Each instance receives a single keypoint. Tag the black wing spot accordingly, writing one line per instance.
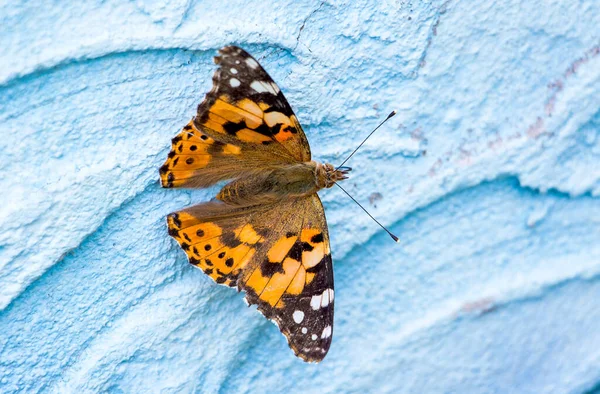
(296, 251)
(317, 238)
(207, 247)
(232, 128)
(268, 268)
(175, 218)
(228, 238)
(229, 262)
(189, 161)
(263, 232)
(264, 130)
(306, 247)
(193, 148)
(200, 233)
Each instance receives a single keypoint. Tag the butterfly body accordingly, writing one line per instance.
(265, 233)
(286, 181)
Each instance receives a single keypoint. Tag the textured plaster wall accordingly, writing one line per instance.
(490, 175)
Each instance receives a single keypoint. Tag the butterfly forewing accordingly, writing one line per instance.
(246, 105)
(278, 254)
(304, 314)
(243, 124)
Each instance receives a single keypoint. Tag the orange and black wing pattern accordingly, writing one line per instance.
(244, 124)
(278, 254)
(246, 104)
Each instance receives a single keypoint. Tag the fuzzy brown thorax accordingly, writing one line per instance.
(281, 182)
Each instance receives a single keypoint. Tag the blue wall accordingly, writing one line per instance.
(490, 175)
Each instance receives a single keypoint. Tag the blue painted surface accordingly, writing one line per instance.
(490, 175)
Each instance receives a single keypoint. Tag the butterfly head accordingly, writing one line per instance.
(327, 175)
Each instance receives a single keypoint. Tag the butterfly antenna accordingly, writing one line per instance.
(365, 140)
(367, 212)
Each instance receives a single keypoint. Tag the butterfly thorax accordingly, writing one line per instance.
(283, 181)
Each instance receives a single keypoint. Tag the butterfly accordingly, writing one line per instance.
(265, 232)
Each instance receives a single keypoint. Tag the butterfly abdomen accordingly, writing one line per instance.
(281, 182)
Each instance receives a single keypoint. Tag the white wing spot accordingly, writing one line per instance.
(251, 63)
(234, 82)
(237, 62)
(298, 316)
(330, 295)
(325, 298)
(315, 302)
(304, 330)
(233, 70)
(326, 332)
(313, 337)
(263, 87)
(275, 87)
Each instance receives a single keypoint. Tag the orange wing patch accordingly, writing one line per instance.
(279, 282)
(221, 254)
(248, 121)
(235, 113)
(191, 151)
(289, 265)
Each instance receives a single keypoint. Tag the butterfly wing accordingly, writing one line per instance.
(244, 124)
(278, 254)
(197, 160)
(246, 104)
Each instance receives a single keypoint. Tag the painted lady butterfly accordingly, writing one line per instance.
(265, 233)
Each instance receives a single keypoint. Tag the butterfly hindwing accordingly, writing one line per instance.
(197, 160)
(278, 254)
